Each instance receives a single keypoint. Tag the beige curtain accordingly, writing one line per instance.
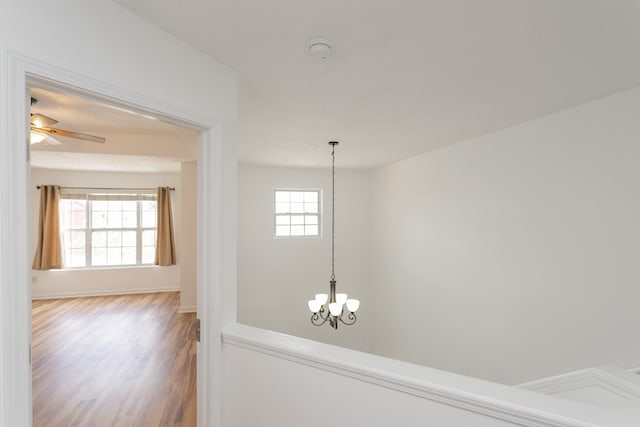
(165, 242)
(49, 251)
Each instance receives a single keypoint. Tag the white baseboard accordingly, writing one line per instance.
(101, 293)
(188, 309)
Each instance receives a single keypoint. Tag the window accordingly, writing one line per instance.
(297, 213)
(101, 230)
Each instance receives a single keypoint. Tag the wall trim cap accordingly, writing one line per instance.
(475, 395)
(620, 382)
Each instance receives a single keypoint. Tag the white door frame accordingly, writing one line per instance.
(18, 73)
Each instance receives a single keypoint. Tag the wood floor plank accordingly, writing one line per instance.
(125, 361)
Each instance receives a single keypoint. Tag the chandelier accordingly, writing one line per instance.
(340, 308)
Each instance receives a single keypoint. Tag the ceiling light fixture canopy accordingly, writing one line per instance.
(335, 311)
(320, 48)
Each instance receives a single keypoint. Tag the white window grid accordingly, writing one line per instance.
(297, 213)
(144, 231)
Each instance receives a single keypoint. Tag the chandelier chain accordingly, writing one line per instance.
(333, 210)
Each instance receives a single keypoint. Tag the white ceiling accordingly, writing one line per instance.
(135, 143)
(102, 162)
(407, 76)
(81, 115)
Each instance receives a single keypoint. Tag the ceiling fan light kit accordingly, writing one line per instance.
(41, 130)
(37, 137)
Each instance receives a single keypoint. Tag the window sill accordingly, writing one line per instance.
(102, 268)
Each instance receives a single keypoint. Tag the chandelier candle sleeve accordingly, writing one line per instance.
(331, 307)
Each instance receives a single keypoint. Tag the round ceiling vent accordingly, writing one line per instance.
(320, 48)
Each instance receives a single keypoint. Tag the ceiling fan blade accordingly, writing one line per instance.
(49, 140)
(70, 134)
(42, 121)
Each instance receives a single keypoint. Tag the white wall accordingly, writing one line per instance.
(116, 53)
(514, 256)
(276, 277)
(107, 281)
(314, 398)
(112, 45)
(179, 144)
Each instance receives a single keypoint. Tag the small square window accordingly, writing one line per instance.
(297, 213)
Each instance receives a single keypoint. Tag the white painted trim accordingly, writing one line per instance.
(15, 271)
(188, 309)
(610, 378)
(5, 365)
(14, 263)
(103, 293)
(478, 396)
(209, 268)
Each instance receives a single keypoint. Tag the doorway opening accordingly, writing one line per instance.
(159, 303)
(215, 165)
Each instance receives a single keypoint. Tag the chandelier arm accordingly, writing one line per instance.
(317, 319)
(351, 319)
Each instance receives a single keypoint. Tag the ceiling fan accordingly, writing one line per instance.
(41, 130)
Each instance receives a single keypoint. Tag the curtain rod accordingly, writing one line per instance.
(109, 188)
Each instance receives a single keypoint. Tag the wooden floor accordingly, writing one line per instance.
(114, 361)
